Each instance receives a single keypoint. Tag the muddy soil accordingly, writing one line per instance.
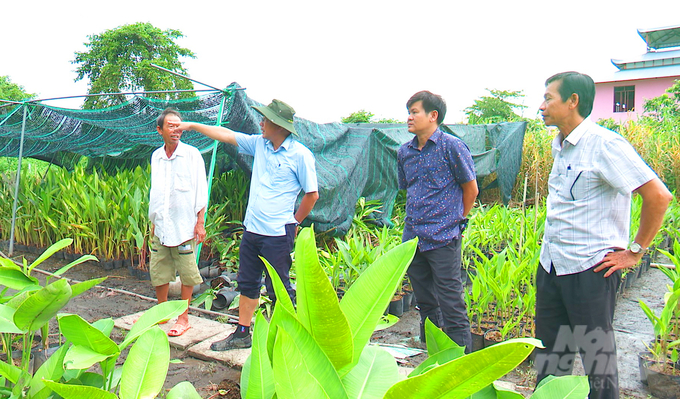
(632, 328)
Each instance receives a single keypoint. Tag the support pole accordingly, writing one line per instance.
(212, 169)
(18, 181)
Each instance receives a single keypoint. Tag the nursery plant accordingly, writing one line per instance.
(321, 349)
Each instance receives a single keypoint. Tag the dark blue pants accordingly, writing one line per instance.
(575, 312)
(436, 279)
(276, 250)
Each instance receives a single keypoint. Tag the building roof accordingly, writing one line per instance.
(661, 38)
(651, 59)
(643, 73)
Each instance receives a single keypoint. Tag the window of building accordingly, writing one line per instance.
(624, 98)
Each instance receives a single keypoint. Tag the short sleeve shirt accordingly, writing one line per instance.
(594, 173)
(278, 177)
(432, 178)
(179, 190)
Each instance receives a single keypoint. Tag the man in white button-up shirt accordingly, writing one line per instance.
(585, 246)
(177, 202)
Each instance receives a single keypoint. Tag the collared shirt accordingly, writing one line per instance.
(589, 197)
(179, 190)
(432, 178)
(278, 176)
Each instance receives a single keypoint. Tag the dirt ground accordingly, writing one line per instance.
(632, 328)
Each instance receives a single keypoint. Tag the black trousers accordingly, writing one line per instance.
(575, 312)
(436, 280)
(276, 250)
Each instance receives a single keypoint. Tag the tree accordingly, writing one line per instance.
(119, 59)
(665, 106)
(495, 108)
(12, 91)
(363, 116)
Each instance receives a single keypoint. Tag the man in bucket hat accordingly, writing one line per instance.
(282, 167)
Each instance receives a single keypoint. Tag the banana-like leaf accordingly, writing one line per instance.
(292, 376)
(315, 363)
(67, 391)
(7, 320)
(257, 378)
(183, 390)
(52, 369)
(79, 288)
(82, 333)
(11, 372)
(466, 375)
(437, 340)
(373, 375)
(76, 262)
(16, 279)
(365, 301)
(317, 303)
(81, 358)
(386, 321)
(283, 303)
(161, 312)
(146, 366)
(57, 246)
(568, 387)
(491, 391)
(41, 306)
(104, 325)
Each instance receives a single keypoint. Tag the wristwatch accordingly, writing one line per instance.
(636, 248)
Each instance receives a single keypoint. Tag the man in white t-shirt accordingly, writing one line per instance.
(177, 202)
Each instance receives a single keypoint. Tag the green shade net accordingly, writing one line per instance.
(352, 160)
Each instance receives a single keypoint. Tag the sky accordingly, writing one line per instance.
(329, 59)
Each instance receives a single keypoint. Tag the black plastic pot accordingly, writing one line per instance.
(661, 385)
(397, 307)
(477, 341)
(408, 299)
(490, 337)
(224, 298)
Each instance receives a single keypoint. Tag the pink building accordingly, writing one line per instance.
(622, 96)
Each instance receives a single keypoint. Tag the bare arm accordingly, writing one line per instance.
(199, 229)
(655, 200)
(214, 132)
(306, 205)
(470, 191)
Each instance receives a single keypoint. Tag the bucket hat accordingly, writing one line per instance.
(280, 113)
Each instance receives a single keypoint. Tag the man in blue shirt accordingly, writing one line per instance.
(281, 168)
(438, 174)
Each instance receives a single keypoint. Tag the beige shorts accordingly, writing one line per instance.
(166, 262)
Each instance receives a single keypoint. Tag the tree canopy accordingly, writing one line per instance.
(119, 59)
(495, 108)
(12, 91)
(363, 116)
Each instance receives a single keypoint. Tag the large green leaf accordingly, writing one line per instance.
(436, 339)
(567, 387)
(146, 365)
(316, 364)
(183, 390)
(7, 320)
(79, 391)
(79, 288)
(76, 262)
(373, 375)
(52, 369)
(161, 312)
(57, 246)
(42, 305)
(283, 303)
(292, 376)
(367, 298)
(81, 358)
(82, 333)
(317, 303)
(16, 279)
(466, 375)
(257, 378)
(440, 348)
(11, 372)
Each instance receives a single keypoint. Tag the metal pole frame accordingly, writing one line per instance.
(18, 181)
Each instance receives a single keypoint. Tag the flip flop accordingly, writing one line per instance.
(178, 329)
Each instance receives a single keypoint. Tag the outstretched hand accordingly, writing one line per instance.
(616, 260)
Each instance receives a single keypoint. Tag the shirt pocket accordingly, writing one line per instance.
(183, 183)
(283, 173)
(581, 184)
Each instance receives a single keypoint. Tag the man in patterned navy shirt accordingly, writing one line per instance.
(438, 174)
